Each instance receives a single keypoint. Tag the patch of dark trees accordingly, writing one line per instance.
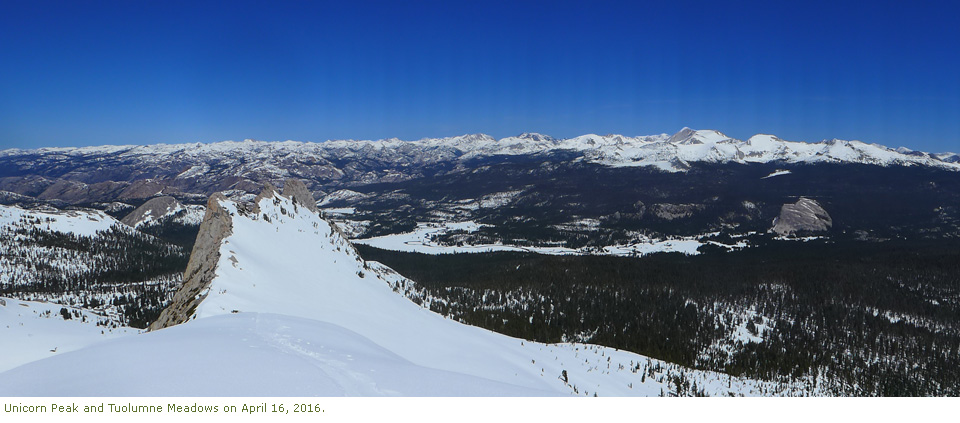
(119, 266)
(172, 231)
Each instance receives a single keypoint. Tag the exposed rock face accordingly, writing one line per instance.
(297, 191)
(805, 215)
(684, 136)
(152, 210)
(217, 225)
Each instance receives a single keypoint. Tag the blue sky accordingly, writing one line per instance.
(141, 72)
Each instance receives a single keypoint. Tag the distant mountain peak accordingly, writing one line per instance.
(476, 137)
(534, 136)
(683, 135)
(689, 136)
(948, 157)
(765, 136)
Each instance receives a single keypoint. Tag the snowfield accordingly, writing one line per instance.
(248, 354)
(777, 173)
(78, 222)
(421, 240)
(294, 311)
(32, 331)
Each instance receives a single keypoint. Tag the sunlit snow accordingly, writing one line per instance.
(32, 330)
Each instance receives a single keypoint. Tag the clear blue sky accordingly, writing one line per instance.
(140, 72)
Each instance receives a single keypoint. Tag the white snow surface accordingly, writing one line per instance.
(341, 210)
(294, 311)
(32, 330)
(193, 215)
(420, 241)
(779, 172)
(248, 354)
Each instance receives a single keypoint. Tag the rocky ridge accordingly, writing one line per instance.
(217, 225)
(297, 191)
(201, 269)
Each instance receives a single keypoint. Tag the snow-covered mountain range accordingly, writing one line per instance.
(668, 152)
(290, 308)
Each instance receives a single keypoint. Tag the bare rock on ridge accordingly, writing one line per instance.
(297, 191)
(201, 269)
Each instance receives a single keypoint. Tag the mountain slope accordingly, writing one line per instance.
(86, 258)
(250, 354)
(111, 173)
(283, 270)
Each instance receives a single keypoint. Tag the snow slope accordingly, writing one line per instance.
(249, 354)
(33, 330)
(294, 310)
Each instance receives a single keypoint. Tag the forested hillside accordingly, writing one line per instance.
(126, 275)
(863, 318)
